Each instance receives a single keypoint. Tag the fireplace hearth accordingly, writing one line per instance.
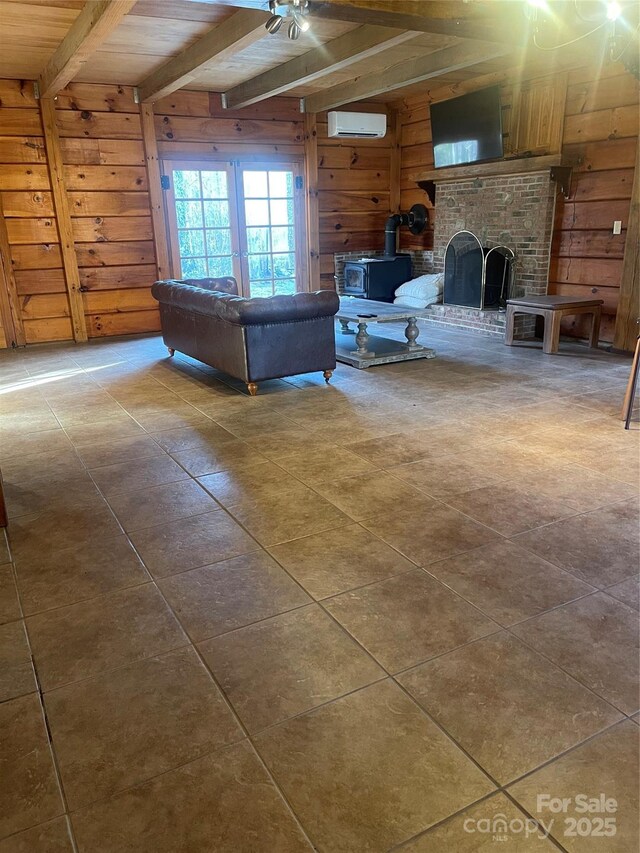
(476, 276)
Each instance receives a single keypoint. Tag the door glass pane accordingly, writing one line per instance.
(258, 240)
(256, 212)
(260, 266)
(204, 226)
(281, 214)
(220, 267)
(189, 214)
(194, 268)
(187, 184)
(284, 266)
(218, 242)
(262, 288)
(255, 185)
(191, 244)
(283, 239)
(216, 214)
(286, 286)
(280, 184)
(214, 184)
(270, 218)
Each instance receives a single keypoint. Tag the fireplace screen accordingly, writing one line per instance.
(476, 276)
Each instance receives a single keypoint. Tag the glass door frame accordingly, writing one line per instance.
(267, 164)
(170, 209)
(234, 168)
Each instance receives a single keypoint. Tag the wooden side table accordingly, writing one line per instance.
(553, 309)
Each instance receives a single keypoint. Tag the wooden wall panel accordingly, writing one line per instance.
(600, 137)
(107, 184)
(354, 198)
(26, 197)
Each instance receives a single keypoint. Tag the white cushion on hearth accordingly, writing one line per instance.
(413, 302)
(423, 287)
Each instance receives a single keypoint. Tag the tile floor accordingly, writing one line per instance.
(364, 617)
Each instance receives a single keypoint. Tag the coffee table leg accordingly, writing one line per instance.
(362, 339)
(411, 333)
(345, 330)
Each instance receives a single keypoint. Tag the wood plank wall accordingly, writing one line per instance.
(107, 183)
(105, 176)
(106, 179)
(600, 135)
(30, 221)
(354, 198)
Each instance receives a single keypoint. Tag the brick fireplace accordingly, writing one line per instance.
(501, 210)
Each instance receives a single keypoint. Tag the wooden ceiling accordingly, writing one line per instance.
(396, 45)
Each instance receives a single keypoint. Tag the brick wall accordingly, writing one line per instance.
(515, 211)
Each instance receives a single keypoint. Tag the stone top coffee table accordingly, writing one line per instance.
(374, 349)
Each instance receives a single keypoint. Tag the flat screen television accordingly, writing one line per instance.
(467, 129)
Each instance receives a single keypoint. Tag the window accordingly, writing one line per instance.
(240, 219)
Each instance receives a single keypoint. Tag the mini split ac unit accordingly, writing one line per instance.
(358, 125)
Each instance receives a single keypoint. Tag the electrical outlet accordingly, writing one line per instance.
(617, 226)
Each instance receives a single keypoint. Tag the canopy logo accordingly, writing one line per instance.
(500, 827)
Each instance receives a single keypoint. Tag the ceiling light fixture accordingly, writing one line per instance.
(273, 24)
(614, 11)
(295, 10)
(303, 23)
(294, 31)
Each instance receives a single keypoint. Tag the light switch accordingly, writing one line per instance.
(617, 226)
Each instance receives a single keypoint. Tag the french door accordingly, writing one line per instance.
(245, 219)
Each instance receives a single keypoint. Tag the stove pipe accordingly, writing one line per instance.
(391, 234)
(416, 219)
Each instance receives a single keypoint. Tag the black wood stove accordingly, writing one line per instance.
(379, 278)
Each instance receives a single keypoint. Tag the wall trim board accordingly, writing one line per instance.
(11, 319)
(395, 130)
(626, 330)
(156, 200)
(63, 218)
(312, 210)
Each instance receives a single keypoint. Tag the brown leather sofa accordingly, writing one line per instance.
(249, 339)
